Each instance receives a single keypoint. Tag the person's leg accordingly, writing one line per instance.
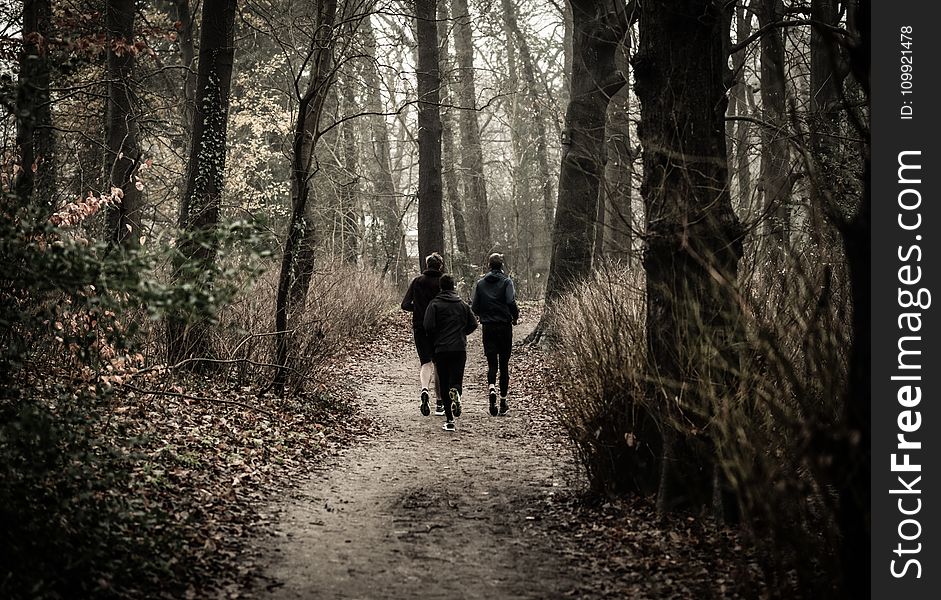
(427, 375)
(457, 375)
(506, 345)
(504, 373)
(442, 362)
(492, 362)
(491, 369)
(456, 380)
(425, 348)
(439, 404)
(490, 351)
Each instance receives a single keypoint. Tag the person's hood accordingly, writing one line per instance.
(448, 296)
(495, 276)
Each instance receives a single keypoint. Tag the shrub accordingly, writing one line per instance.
(64, 342)
(602, 357)
(342, 304)
(773, 436)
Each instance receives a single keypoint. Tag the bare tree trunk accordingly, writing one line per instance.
(739, 107)
(430, 214)
(319, 220)
(472, 159)
(187, 58)
(537, 117)
(568, 49)
(350, 190)
(774, 180)
(853, 465)
(199, 207)
(34, 183)
(383, 184)
(291, 297)
(447, 139)
(594, 80)
(122, 151)
(526, 231)
(693, 238)
(828, 70)
(616, 239)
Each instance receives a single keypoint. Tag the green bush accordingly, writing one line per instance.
(66, 341)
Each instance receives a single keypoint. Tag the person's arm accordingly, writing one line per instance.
(471, 323)
(430, 320)
(475, 301)
(408, 303)
(511, 301)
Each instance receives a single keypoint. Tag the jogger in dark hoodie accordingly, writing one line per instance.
(448, 320)
(494, 301)
(420, 292)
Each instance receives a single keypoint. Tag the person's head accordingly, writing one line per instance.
(496, 262)
(447, 283)
(434, 261)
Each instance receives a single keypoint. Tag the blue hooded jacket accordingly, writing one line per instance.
(494, 299)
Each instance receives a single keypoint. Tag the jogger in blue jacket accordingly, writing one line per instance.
(494, 301)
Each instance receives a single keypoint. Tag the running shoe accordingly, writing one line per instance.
(425, 410)
(455, 402)
(439, 408)
(503, 407)
(493, 402)
(449, 426)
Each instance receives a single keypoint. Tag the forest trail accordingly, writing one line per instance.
(417, 512)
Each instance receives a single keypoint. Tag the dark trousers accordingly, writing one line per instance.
(450, 369)
(498, 341)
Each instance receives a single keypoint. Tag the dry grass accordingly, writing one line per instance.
(342, 304)
(772, 434)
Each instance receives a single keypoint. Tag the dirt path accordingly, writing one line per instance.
(416, 512)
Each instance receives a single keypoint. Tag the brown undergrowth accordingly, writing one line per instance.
(624, 547)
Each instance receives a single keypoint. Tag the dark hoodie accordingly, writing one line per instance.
(448, 320)
(420, 292)
(494, 299)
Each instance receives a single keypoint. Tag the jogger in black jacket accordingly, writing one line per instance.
(420, 292)
(494, 301)
(448, 321)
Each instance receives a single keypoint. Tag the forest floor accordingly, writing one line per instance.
(493, 510)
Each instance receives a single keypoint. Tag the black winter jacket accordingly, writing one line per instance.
(494, 299)
(420, 292)
(448, 320)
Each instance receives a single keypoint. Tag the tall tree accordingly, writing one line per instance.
(693, 238)
(739, 106)
(430, 211)
(854, 466)
(615, 229)
(774, 179)
(122, 150)
(200, 204)
(449, 152)
(296, 262)
(187, 59)
(350, 207)
(599, 26)
(472, 158)
(388, 211)
(537, 115)
(34, 182)
(828, 71)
